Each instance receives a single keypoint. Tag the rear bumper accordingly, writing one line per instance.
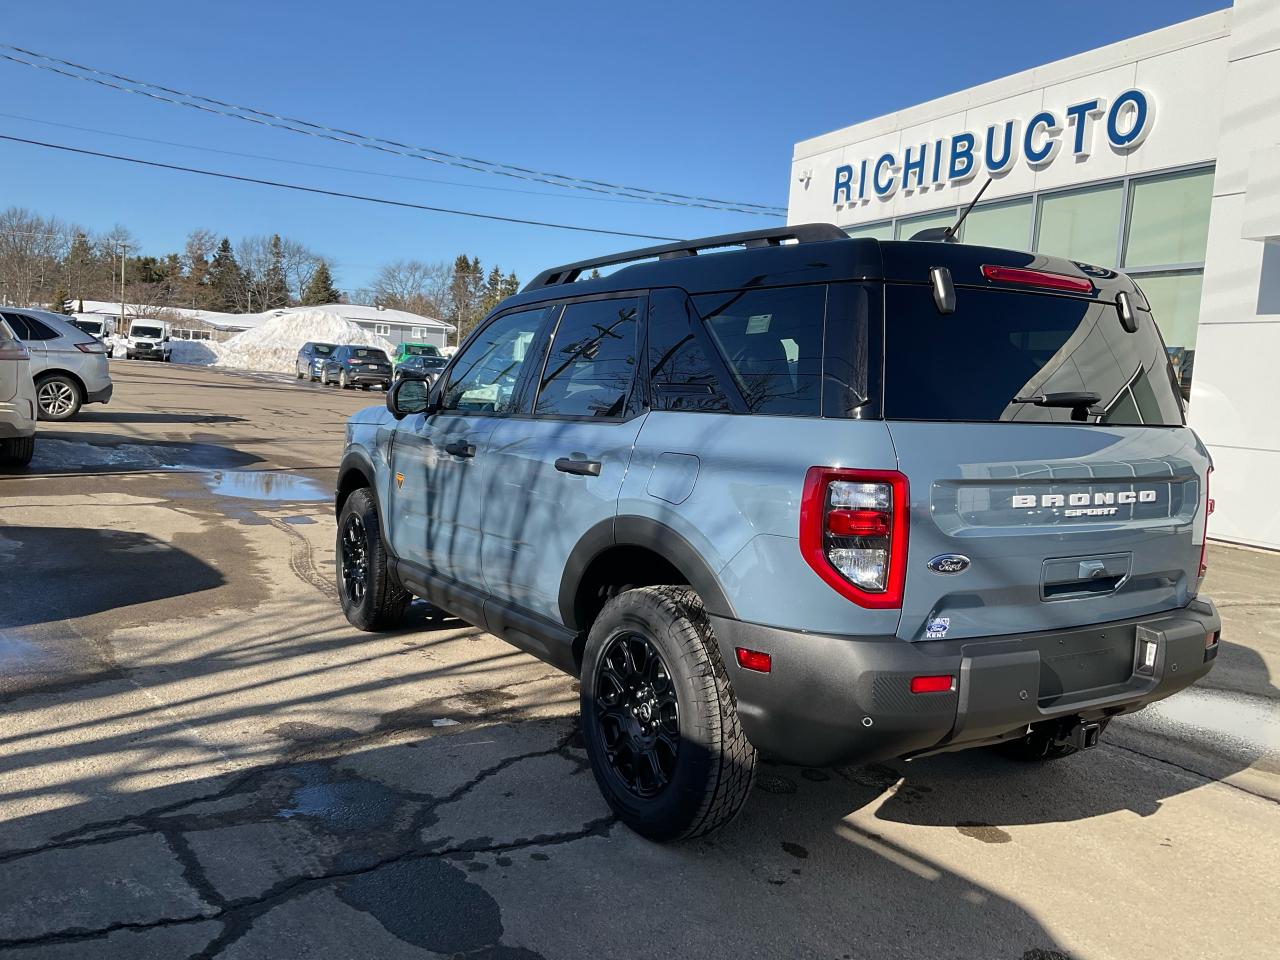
(368, 377)
(102, 395)
(831, 699)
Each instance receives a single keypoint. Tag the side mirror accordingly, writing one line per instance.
(409, 395)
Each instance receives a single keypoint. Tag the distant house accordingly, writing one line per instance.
(398, 326)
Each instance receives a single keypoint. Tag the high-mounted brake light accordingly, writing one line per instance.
(1036, 278)
(853, 532)
(1208, 511)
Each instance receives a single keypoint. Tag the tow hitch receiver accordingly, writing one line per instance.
(1082, 736)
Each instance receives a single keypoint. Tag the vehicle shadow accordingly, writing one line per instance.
(90, 415)
(78, 452)
(61, 573)
(472, 839)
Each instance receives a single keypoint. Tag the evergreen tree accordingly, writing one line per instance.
(79, 265)
(60, 302)
(511, 285)
(493, 290)
(275, 289)
(320, 288)
(225, 279)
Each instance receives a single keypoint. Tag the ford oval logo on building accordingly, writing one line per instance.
(949, 563)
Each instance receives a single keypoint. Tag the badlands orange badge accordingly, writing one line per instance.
(399, 480)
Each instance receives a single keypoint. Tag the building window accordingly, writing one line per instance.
(419, 333)
(1006, 224)
(1169, 219)
(382, 329)
(908, 227)
(876, 231)
(1081, 224)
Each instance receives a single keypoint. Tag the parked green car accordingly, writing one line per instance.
(414, 350)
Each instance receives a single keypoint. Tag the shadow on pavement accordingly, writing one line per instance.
(90, 415)
(76, 452)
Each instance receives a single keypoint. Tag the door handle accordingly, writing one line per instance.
(585, 468)
(460, 448)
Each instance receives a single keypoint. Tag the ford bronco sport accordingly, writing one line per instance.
(831, 499)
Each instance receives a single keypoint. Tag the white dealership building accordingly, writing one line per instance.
(1160, 154)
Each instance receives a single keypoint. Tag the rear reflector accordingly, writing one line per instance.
(942, 684)
(754, 660)
(1036, 278)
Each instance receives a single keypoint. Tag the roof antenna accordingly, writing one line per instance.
(950, 233)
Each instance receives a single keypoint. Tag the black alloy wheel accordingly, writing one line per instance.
(355, 560)
(638, 714)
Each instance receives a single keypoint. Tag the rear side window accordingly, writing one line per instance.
(592, 362)
(1000, 347)
(684, 374)
(28, 328)
(772, 342)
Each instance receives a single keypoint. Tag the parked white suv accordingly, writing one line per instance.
(69, 366)
(17, 401)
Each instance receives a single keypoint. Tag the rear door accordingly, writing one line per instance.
(556, 471)
(1027, 517)
(11, 367)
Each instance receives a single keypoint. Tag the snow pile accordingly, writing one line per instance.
(274, 345)
(203, 352)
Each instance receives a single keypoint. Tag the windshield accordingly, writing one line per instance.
(141, 330)
(420, 350)
(1022, 357)
(89, 326)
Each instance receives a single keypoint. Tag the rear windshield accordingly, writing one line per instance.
(420, 350)
(322, 349)
(367, 353)
(1002, 349)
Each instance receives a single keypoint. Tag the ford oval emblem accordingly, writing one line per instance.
(949, 563)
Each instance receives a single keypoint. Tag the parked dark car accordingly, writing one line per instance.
(311, 360)
(421, 366)
(354, 366)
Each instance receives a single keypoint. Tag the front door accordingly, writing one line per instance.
(440, 465)
(557, 472)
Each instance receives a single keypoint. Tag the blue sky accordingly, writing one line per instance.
(700, 98)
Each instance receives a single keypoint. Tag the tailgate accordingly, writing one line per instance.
(1060, 525)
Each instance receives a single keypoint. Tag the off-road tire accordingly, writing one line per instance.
(715, 764)
(17, 451)
(62, 394)
(383, 602)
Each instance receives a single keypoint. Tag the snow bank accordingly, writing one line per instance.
(274, 345)
(203, 352)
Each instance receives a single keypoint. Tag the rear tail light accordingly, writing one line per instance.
(853, 532)
(95, 346)
(1036, 278)
(353, 360)
(937, 684)
(1208, 511)
(13, 350)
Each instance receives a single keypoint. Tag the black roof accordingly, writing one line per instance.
(817, 253)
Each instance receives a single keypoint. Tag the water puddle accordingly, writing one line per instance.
(1200, 713)
(298, 521)
(341, 806)
(265, 485)
(18, 654)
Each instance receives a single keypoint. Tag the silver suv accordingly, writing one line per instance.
(831, 499)
(17, 401)
(69, 366)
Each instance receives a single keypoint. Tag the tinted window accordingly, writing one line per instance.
(420, 350)
(683, 375)
(29, 328)
(1000, 346)
(486, 374)
(321, 349)
(772, 342)
(365, 353)
(589, 370)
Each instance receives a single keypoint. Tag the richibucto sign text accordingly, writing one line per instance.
(1126, 121)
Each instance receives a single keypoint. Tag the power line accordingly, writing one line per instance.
(264, 118)
(332, 193)
(322, 166)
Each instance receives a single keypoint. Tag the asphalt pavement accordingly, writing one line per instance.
(199, 757)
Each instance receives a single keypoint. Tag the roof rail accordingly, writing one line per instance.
(801, 233)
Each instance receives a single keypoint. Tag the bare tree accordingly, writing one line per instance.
(413, 285)
(32, 251)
